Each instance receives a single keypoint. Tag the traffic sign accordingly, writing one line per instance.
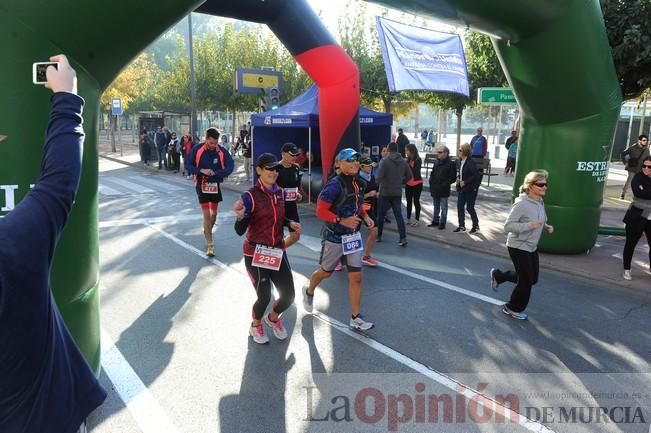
(116, 106)
(255, 80)
(495, 96)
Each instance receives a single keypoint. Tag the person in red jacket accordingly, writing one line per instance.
(210, 163)
(261, 214)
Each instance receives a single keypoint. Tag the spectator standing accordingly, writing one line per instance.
(175, 152)
(145, 143)
(414, 187)
(510, 159)
(467, 188)
(638, 216)
(46, 385)
(402, 141)
(186, 147)
(479, 144)
(444, 174)
(430, 138)
(160, 140)
(524, 225)
(392, 173)
(633, 157)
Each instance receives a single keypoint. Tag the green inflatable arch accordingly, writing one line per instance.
(555, 54)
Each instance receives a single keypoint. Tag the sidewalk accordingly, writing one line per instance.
(602, 264)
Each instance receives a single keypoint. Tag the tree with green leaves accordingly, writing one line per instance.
(627, 25)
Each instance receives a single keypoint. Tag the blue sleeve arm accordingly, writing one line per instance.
(36, 223)
(229, 165)
(190, 165)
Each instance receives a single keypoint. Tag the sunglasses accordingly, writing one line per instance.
(353, 158)
(275, 168)
(646, 166)
(541, 184)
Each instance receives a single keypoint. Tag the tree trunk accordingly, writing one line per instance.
(642, 116)
(459, 113)
(387, 105)
(417, 123)
(233, 125)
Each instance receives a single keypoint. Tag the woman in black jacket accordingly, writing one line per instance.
(414, 187)
(467, 186)
(638, 216)
(444, 174)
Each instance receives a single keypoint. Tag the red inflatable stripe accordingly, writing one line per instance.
(337, 78)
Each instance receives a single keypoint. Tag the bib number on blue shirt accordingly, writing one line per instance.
(352, 243)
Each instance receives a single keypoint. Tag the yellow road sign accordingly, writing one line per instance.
(260, 81)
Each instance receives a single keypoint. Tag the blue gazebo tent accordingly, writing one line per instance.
(298, 121)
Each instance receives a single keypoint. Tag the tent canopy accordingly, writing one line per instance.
(303, 112)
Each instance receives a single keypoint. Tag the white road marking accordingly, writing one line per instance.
(222, 217)
(425, 370)
(131, 186)
(158, 185)
(434, 375)
(107, 190)
(141, 403)
(443, 284)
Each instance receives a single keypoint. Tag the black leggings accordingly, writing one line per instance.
(525, 276)
(633, 235)
(262, 279)
(413, 194)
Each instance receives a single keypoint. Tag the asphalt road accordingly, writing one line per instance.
(177, 357)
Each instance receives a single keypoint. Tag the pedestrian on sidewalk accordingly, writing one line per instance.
(160, 140)
(638, 215)
(145, 144)
(468, 183)
(633, 157)
(392, 173)
(509, 169)
(524, 225)
(479, 144)
(370, 206)
(340, 206)
(210, 163)
(46, 386)
(186, 147)
(443, 175)
(174, 150)
(414, 187)
(261, 214)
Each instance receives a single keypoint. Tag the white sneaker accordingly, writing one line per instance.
(277, 327)
(257, 332)
(361, 324)
(627, 275)
(308, 300)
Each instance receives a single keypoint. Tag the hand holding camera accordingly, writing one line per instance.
(57, 74)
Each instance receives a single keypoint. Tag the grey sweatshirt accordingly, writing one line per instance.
(392, 174)
(518, 224)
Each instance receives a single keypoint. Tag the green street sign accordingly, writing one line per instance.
(495, 96)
